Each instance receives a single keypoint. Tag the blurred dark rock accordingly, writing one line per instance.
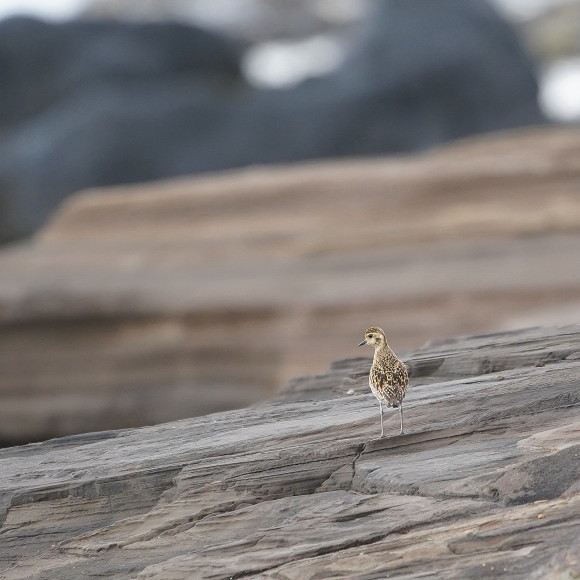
(99, 103)
(43, 63)
(439, 71)
(120, 311)
(303, 490)
(95, 103)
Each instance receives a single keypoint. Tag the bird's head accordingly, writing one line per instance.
(374, 336)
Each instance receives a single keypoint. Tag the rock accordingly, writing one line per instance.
(539, 479)
(119, 313)
(49, 62)
(123, 114)
(83, 101)
(302, 489)
(442, 70)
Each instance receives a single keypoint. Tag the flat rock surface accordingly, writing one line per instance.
(484, 483)
(123, 310)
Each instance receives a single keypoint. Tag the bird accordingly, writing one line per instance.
(388, 376)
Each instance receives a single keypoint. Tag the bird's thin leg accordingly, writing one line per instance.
(381, 410)
(401, 413)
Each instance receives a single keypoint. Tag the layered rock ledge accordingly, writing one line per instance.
(117, 313)
(485, 483)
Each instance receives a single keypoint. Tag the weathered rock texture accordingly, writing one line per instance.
(484, 484)
(150, 303)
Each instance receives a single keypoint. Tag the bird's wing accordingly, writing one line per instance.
(401, 378)
(390, 383)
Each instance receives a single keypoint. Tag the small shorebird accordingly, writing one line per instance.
(388, 377)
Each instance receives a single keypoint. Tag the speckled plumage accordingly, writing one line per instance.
(388, 377)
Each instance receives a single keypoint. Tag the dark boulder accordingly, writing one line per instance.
(45, 63)
(91, 103)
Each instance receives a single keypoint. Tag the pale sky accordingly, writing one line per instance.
(53, 9)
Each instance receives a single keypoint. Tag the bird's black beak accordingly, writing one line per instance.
(363, 342)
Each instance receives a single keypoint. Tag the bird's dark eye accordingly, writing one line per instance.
(370, 336)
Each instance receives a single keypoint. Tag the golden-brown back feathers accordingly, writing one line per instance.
(388, 377)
